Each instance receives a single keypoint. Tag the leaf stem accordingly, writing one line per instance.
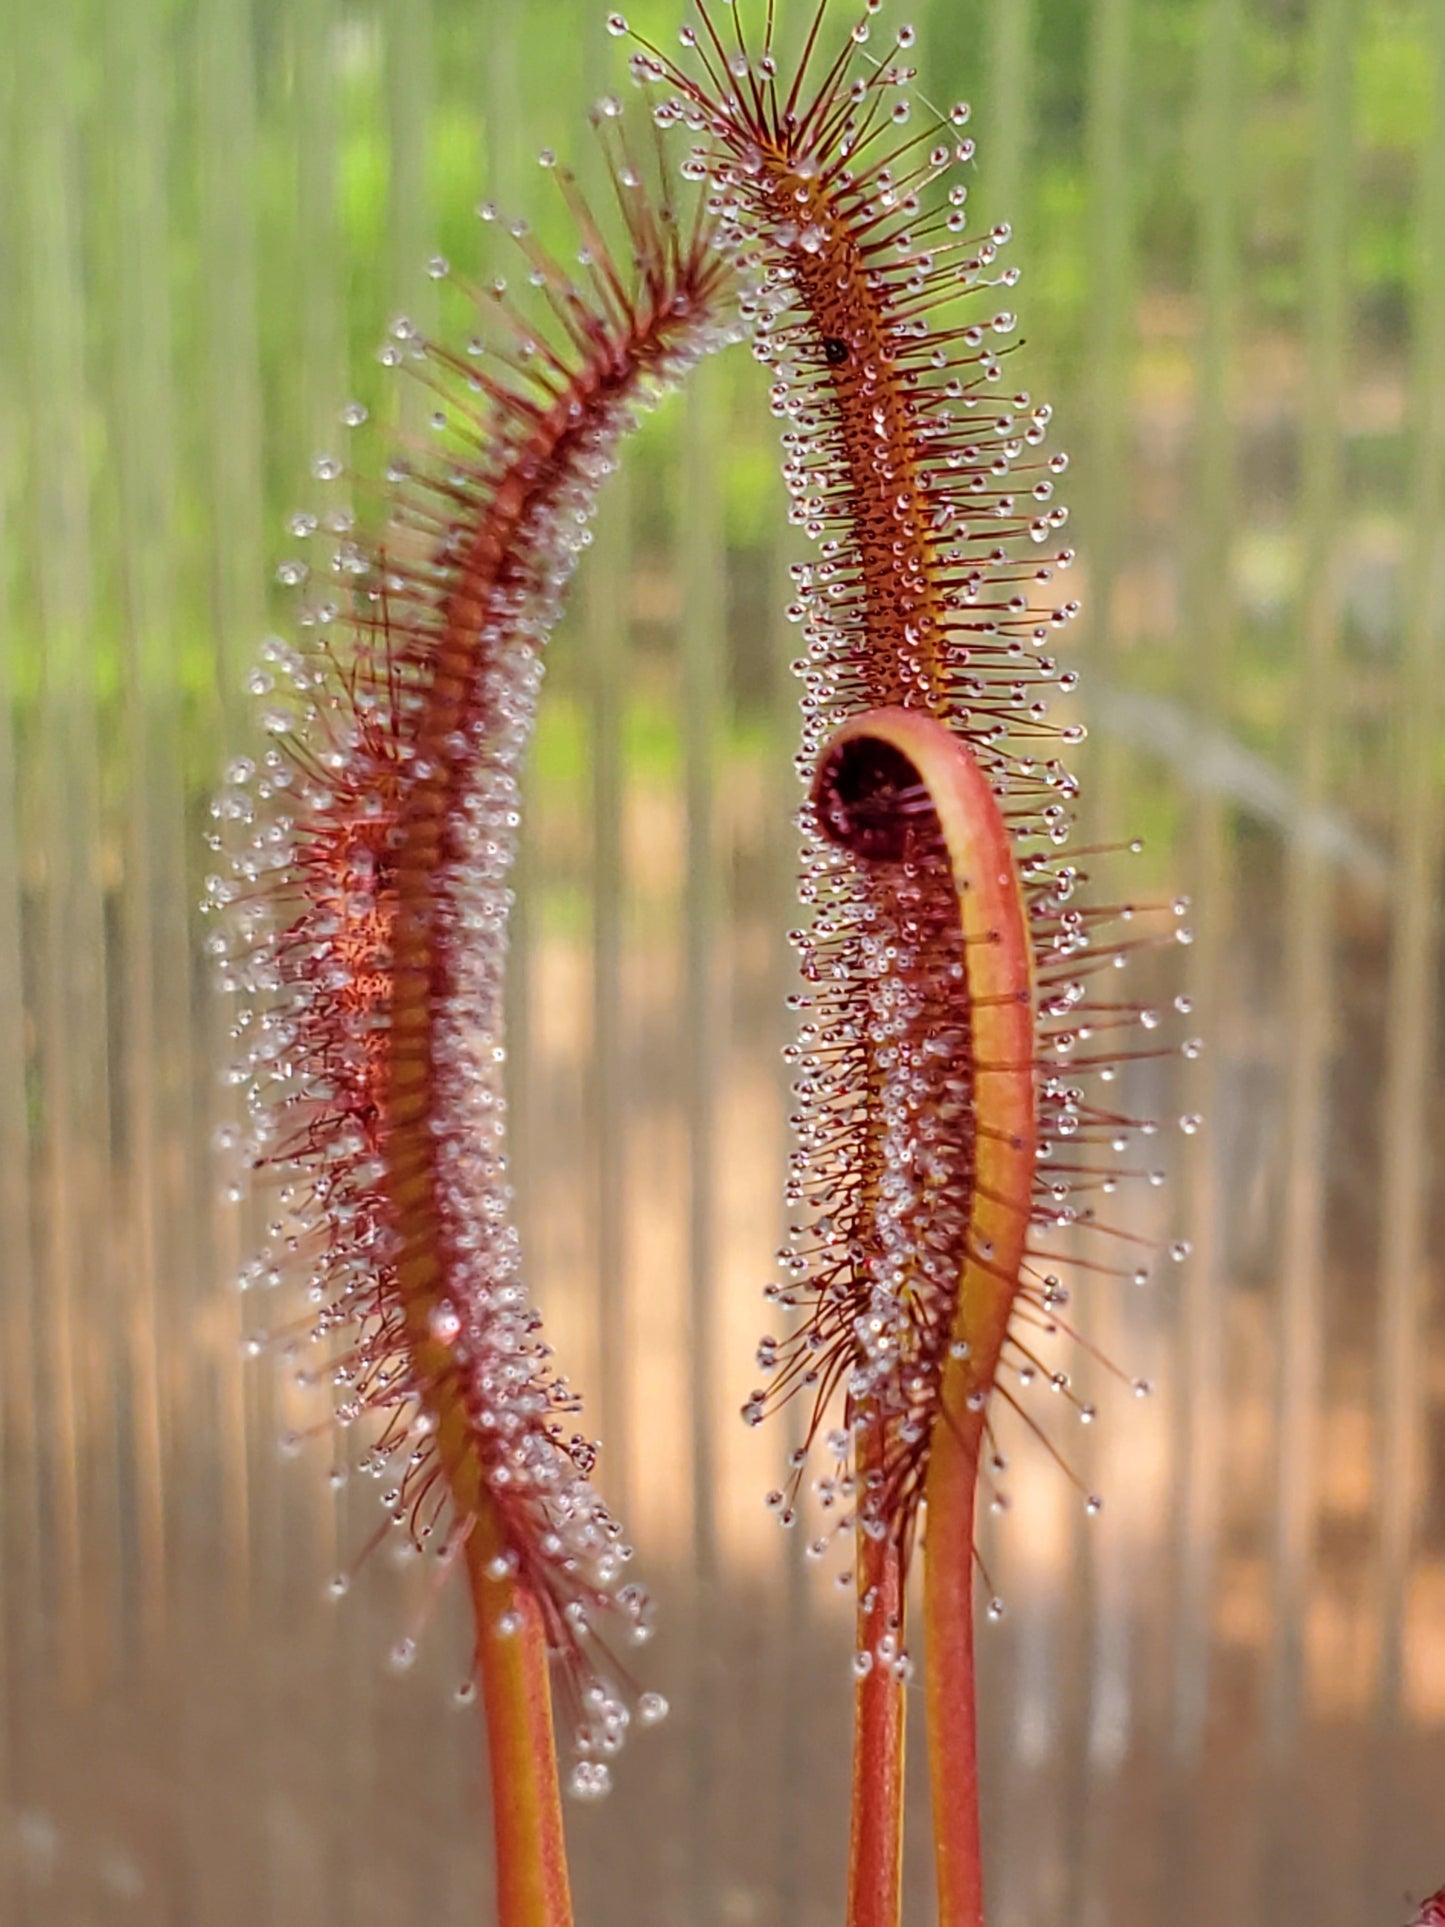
(950, 1685)
(531, 1855)
(875, 1860)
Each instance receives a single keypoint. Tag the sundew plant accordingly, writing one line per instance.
(960, 1017)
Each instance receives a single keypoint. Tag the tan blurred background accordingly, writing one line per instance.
(1224, 1701)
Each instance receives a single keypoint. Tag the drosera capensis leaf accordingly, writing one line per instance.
(365, 930)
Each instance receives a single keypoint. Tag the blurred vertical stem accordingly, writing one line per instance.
(1211, 648)
(1106, 508)
(22, 1622)
(1109, 241)
(226, 125)
(704, 593)
(1415, 905)
(606, 606)
(607, 637)
(607, 628)
(76, 1117)
(223, 1401)
(1415, 936)
(1006, 138)
(1308, 969)
(410, 78)
(158, 1080)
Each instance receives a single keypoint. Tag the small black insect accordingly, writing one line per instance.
(835, 352)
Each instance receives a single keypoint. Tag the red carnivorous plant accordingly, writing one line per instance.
(956, 1041)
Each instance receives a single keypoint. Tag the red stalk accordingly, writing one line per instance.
(875, 1861)
(994, 927)
(950, 1681)
(531, 1852)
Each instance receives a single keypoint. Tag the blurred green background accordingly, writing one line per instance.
(1225, 1701)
